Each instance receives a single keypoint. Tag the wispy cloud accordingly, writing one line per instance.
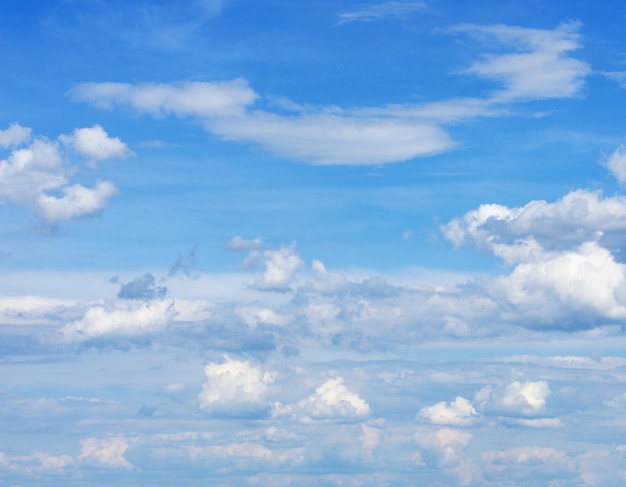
(383, 10)
(539, 67)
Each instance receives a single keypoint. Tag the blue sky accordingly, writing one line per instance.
(312, 243)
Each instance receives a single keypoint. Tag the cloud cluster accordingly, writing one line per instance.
(280, 265)
(459, 412)
(331, 401)
(539, 67)
(563, 268)
(36, 174)
(122, 320)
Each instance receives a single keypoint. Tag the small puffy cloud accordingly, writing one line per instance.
(34, 310)
(517, 399)
(383, 10)
(587, 281)
(95, 143)
(37, 176)
(337, 139)
(564, 273)
(77, 201)
(14, 135)
(125, 320)
(526, 397)
(332, 400)
(234, 387)
(104, 452)
(616, 163)
(515, 234)
(200, 99)
(541, 67)
(280, 268)
(459, 412)
(370, 438)
(143, 287)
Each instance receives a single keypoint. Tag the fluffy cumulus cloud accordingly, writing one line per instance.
(522, 403)
(104, 452)
(36, 175)
(14, 135)
(564, 272)
(459, 412)
(95, 143)
(280, 268)
(235, 387)
(121, 320)
(279, 265)
(331, 401)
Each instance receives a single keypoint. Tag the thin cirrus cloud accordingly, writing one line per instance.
(383, 10)
(539, 66)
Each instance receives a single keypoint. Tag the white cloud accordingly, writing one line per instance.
(95, 143)
(587, 282)
(14, 135)
(331, 400)
(517, 398)
(280, 268)
(459, 412)
(325, 282)
(200, 99)
(33, 176)
(511, 233)
(104, 452)
(234, 387)
(125, 319)
(77, 200)
(616, 163)
(382, 10)
(540, 69)
(563, 274)
(34, 310)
